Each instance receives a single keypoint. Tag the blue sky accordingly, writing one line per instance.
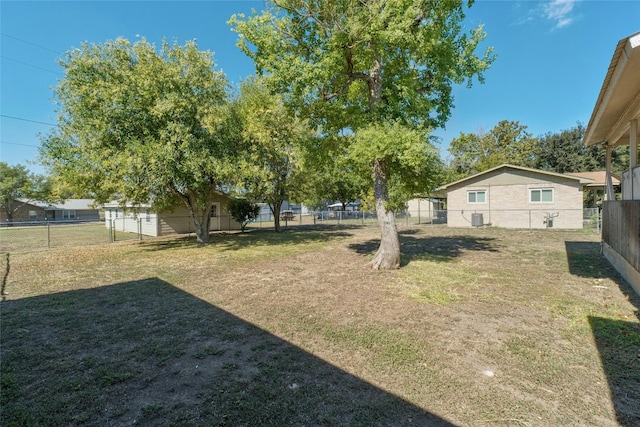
(552, 57)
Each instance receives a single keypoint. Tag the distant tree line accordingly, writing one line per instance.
(509, 142)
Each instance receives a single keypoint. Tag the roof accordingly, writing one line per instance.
(76, 205)
(582, 180)
(68, 205)
(339, 205)
(619, 98)
(599, 178)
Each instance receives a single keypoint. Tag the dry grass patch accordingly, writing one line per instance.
(479, 327)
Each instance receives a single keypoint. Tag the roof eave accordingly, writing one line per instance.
(618, 70)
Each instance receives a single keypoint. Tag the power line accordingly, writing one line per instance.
(31, 65)
(27, 120)
(30, 43)
(16, 143)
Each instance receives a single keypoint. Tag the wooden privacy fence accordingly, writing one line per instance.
(621, 229)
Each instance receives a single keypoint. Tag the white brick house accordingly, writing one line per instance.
(516, 197)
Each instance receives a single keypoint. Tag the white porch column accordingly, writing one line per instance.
(608, 193)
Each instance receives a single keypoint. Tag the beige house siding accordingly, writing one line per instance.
(177, 221)
(425, 210)
(507, 203)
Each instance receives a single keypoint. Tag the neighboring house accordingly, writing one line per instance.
(144, 220)
(427, 209)
(598, 186)
(23, 211)
(71, 210)
(516, 197)
(349, 207)
(615, 121)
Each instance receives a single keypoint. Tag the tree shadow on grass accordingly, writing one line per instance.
(237, 241)
(147, 353)
(441, 249)
(618, 340)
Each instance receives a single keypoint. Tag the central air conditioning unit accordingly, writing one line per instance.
(477, 220)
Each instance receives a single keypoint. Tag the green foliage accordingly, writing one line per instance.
(565, 152)
(352, 66)
(271, 165)
(330, 173)
(16, 182)
(508, 142)
(143, 125)
(243, 211)
(413, 163)
(329, 58)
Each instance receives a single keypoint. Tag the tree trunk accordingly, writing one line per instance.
(276, 207)
(201, 215)
(202, 223)
(388, 255)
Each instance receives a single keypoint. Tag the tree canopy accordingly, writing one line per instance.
(330, 173)
(364, 67)
(144, 125)
(507, 142)
(564, 152)
(510, 142)
(18, 187)
(274, 139)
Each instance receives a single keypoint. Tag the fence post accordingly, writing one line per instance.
(139, 228)
(111, 230)
(48, 235)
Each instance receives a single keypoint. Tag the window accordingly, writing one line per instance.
(477, 196)
(33, 215)
(214, 211)
(541, 195)
(147, 217)
(68, 214)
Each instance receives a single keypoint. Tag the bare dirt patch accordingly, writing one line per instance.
(479, 327)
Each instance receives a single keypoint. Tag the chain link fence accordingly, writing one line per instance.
(29, 236)
(508, 218)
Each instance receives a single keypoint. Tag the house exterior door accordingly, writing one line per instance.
(215, 216)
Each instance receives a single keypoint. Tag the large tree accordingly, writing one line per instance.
(143, 125)
(19, 187)
(564, 152)
(274, 138)
(364, 66)
(507, 142)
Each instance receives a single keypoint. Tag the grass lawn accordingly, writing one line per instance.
(479, 327)
(57, 235)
